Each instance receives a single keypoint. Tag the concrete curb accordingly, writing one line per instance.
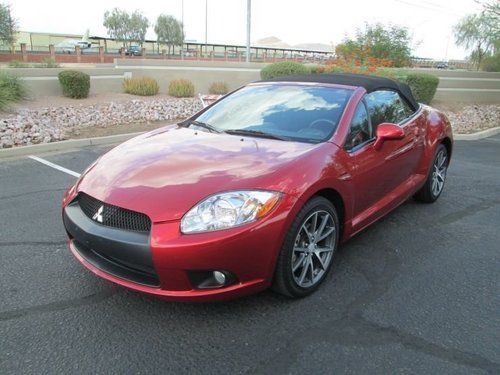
(475, 136)
(112, 139)
(64, 145)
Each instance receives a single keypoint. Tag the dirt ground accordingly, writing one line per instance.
(97, 131)
(62, 101)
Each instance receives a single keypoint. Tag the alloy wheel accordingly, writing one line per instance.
(439, 173)
(313, 248)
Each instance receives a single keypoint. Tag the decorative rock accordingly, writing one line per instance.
(473, 118)
(44, 125)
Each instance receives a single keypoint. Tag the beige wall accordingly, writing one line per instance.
(455, 86)
(41, 82)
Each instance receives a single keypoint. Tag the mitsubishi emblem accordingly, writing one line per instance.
(98, 215)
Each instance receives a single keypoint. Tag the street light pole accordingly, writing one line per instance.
(206, 26)
(183, 33)
(249, 17)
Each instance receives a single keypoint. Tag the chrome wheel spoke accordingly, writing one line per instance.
(311, 269)
(326, 234)
(320, 260)
(308, 233)
(434, 187)
(314, 223)
(300, 249)
(304, 271)
(322, 226)
(441, 160)
(298, 262)
(325, 249)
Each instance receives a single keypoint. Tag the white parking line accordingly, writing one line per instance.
(55, 166)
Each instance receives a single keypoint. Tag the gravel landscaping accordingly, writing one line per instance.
(474, 118)
(55, 119)
(32, 125)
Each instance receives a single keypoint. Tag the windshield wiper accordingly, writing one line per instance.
(201, 125)
(256, 133)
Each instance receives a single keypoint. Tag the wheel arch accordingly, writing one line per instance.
(336, 199)
(446, 141)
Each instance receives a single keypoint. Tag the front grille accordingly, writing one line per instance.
(113, 216)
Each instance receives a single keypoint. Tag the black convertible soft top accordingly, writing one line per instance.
(370, 83)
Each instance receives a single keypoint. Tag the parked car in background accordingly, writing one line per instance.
(258, 189)
(189, 52)
(132, 50)
(442, 65)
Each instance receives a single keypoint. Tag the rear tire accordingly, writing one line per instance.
(306, 256)
(434, 184)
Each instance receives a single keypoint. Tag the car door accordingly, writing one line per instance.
(401, 156)
(378, 172)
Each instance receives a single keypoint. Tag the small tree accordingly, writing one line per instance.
(492, 9)
(137, 27)
(115, 21)
(478, 34)
(169, 31)
(125, 27)
(491, 12)
(382, 42)
(8, 26)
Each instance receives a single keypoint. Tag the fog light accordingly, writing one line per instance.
(211, 279)
(219, 277)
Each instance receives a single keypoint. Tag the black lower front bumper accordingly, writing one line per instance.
(122, 253)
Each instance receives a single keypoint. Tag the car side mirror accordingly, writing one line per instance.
(386, 132)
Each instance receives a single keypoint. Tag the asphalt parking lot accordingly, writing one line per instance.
(418, 292)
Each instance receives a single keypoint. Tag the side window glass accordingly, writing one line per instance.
(387, 106)
(408, 112)
(360, 130)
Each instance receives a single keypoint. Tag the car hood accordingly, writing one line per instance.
(166, 172)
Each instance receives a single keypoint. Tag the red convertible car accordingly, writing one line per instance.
(257, 190)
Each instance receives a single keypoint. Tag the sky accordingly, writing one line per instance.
(294, 21)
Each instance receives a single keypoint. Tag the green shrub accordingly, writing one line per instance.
(74, 84)
(283, 68)
(316, 68)
(181, 88)
(12, 89)
(17, 64)
(491, 63)
(423, 86)
(47, 62)
(144, 86)
(218, 88)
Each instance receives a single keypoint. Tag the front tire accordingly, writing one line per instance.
(306, 256)
(434, 184)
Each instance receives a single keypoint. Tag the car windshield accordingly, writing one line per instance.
(305, 113)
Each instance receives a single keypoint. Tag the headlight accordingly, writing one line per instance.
(230, 209)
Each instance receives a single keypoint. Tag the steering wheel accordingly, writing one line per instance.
(313, 124)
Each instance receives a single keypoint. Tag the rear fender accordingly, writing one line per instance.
(437, 127)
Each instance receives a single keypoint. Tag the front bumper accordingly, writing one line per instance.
(158, 263)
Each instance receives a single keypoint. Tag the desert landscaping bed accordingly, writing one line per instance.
(53, 119)
(467, 119)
